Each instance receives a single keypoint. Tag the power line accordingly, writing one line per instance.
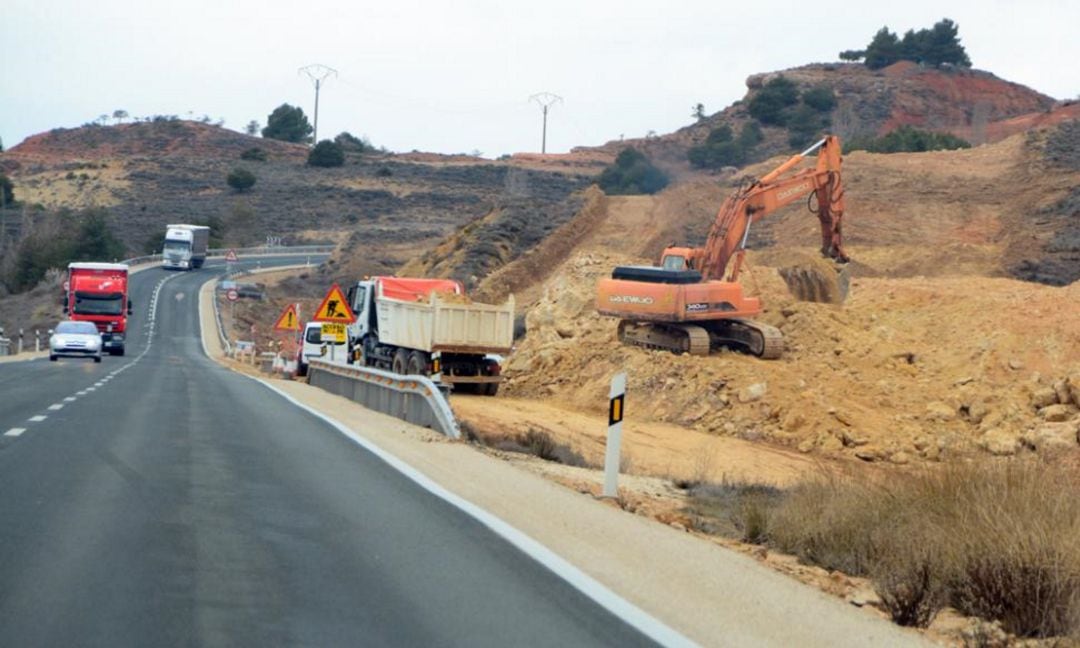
(546, 100)
(317, 73)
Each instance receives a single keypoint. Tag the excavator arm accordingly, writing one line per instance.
(729, 232)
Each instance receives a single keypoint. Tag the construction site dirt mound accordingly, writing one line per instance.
(907, 369)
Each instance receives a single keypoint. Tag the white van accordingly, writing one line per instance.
(314, 347)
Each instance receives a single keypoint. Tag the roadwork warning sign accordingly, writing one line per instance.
(288, 321)
(334, 308)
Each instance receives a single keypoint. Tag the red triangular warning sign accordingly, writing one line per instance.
(334, 308)
(230, 256)
(288, 321)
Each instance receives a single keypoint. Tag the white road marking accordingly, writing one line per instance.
(69, 399)
(14, 432)
(632, 615)
(37, 419)
(82, 393)
(56, 406)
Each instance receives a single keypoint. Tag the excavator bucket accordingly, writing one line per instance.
(817, 280)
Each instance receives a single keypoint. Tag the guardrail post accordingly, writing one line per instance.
(37, 340)
(20, 341)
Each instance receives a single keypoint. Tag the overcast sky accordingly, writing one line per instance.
(456, 76)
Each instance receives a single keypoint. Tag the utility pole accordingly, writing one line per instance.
(317, 73)
(546, 100)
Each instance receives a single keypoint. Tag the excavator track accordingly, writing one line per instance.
(677, 338)
(755, 338)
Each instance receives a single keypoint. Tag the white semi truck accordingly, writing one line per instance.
(428, 327)
(185, 246)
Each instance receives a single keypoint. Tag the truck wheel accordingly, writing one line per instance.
(97, 358)
(400, 362)
(116, 352)
(52, 358)
(417, 365)
(491, 389)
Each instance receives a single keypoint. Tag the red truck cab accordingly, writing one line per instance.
(98, 293)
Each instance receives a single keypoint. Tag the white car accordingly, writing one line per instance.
(75, 339)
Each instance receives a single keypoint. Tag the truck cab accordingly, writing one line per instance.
(98, 293)
(185, 246)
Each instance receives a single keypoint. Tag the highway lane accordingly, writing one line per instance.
(29, 388)
(183, 504)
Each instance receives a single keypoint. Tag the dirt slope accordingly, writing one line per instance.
(935, 353)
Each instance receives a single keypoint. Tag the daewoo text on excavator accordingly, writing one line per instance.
(686, 305)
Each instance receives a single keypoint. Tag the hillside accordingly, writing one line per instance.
(151, 174)
(972, 104)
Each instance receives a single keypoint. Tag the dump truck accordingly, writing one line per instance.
(98, 293)
(429, 327)
(185, 246)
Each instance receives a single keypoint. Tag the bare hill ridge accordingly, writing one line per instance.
(972, 104)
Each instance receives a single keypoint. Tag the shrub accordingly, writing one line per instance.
(383, 172)
(722, 149)
(804, 125)
(240, 179)
(254, 153)
(820, 98)
(326, 154)
(632, 173)
(7, 192)
(769, 104)
(907, 140)
(53, 243)
(289, 124)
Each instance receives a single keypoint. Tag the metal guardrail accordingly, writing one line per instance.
(415, 399)
(261, 250)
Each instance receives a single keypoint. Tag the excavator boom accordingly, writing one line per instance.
(687, 304)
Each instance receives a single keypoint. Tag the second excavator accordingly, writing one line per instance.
(687, 305)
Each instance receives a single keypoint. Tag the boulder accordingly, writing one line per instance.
(1043, 397)
(1057, 413)
(1073, 385)
(1000, 443)
(1050, 437)
(752, 393)
(938, 411)
(1061, 388)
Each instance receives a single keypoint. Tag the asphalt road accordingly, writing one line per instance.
(163, 500)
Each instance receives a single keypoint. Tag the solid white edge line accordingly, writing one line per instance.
(621, 608)
(14, 432)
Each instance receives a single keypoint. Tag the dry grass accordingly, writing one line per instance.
(998, 540)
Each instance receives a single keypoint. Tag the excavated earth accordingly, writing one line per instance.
(936, 352)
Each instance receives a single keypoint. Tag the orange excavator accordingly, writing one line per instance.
(686, 305)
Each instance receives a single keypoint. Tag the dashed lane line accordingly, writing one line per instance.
(37, 419)
(56, 406)
(14, 432)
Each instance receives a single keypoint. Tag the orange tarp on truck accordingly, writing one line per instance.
(413, 290)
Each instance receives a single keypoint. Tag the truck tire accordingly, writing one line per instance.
(52, 358)
(491, 389)
(417, 365)
(400, 362)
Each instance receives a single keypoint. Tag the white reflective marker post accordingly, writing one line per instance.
(616, 407)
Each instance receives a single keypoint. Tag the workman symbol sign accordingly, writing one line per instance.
(334, 308)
